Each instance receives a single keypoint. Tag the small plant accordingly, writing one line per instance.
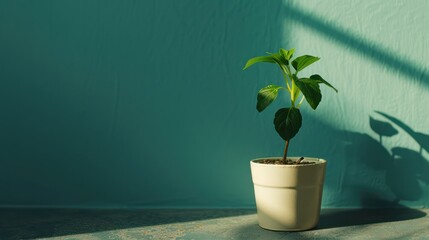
(288, 121)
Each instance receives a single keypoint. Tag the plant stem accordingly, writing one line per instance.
(300, 102)
(285, 153)
(286, 74)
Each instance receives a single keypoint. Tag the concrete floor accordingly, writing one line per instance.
(401, 223)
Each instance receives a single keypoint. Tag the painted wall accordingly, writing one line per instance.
(144, 103)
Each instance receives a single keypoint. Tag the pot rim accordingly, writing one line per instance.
(317, 161)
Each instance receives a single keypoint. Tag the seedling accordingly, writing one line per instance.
(288, 121)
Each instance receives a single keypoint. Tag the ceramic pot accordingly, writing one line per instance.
(288, 197)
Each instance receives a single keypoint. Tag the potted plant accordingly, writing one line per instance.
(288, 190)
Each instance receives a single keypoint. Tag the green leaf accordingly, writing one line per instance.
(287, 122)
(279, 59)
(311, 91)
(319, 79)
(266, 96)
(301, 62)
(287, 54)
(254, 60)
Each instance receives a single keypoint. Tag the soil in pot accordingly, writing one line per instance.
(300, 161)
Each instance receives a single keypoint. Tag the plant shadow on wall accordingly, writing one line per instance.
(406, 169)
(381, 177)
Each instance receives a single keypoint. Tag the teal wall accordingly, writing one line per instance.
(144, 103)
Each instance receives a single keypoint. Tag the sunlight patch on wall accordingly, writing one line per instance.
(366, 81)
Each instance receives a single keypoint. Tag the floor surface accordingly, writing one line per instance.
(401, 223)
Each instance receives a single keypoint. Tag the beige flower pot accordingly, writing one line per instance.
(288, 197)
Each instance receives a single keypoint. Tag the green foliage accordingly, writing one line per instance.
(302, 62)
(319, 79)
(311, 91)
(266, 96)
(259, 59)
(288, 121)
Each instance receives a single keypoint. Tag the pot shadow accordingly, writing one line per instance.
(333, 218)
